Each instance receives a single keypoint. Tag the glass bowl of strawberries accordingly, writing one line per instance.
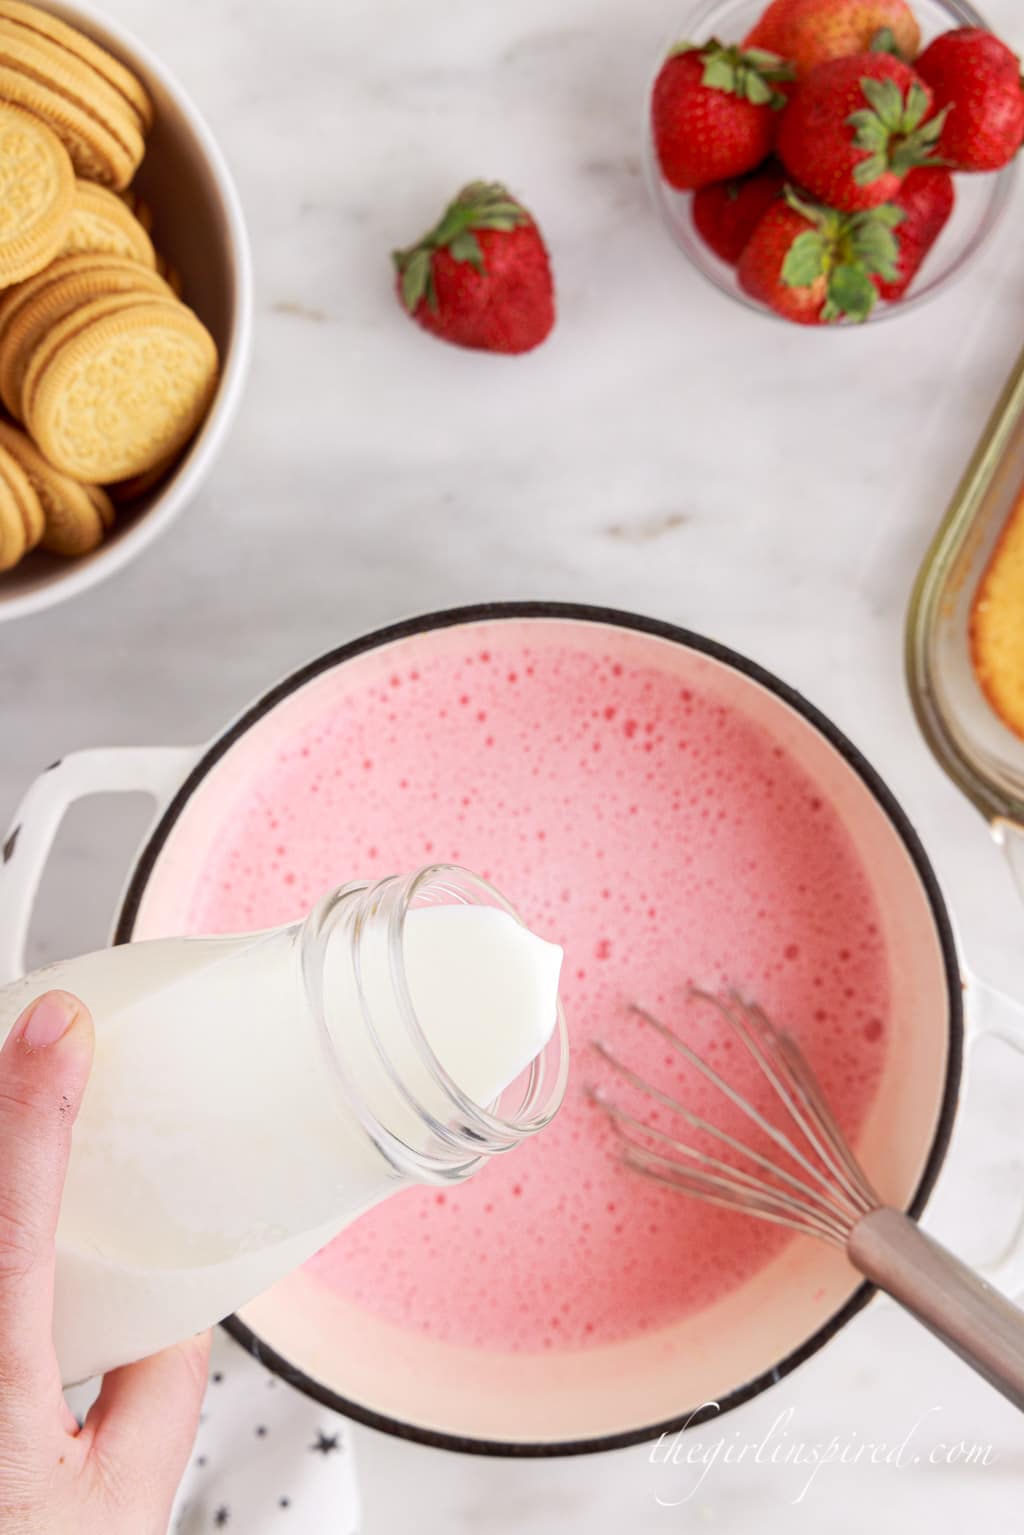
(833, 161)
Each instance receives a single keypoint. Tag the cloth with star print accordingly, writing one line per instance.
(266, 1461)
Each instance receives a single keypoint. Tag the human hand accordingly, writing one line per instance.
(117, 1475)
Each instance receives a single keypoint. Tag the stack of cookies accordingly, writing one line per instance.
(105, 374)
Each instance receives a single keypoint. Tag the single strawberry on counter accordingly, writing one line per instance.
(481, 277)
(814, 266)
(726, 213)
(926, 201)
(810, 32)
(714, 112)
(977, 78)
(855, 126)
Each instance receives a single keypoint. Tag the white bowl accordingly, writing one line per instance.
(201, 231)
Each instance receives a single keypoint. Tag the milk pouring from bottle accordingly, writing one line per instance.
(251, 1095)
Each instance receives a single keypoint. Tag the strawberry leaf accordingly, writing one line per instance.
(805, 260)
(867, 171)
(893, 132)
(885, 98)
(917, 148)
(480, 205)
(751, 75)
(720, 74)
(772, 65)
(884, 41)
(875, 247)
(757, 89)
(870, 132)
(466, 247)
(917, 106)
(851, 294)
(888, 214)
(417, 280)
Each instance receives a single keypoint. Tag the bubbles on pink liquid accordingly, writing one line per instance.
(704, 858)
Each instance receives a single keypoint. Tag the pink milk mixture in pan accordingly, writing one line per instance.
(662, 838)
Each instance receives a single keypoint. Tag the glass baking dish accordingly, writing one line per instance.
(982, 756)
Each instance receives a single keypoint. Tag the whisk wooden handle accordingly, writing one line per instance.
(968, 1314)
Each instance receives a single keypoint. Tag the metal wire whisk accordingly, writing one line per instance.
(815, 1186)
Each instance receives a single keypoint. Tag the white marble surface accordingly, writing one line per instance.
(665, 452)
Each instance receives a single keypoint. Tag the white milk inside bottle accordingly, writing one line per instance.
(251, 1095)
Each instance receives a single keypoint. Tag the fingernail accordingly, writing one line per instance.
(49, 1019)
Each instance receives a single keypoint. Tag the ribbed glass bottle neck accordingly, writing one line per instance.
(353, 958)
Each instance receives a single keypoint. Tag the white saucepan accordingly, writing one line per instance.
(604, 1397)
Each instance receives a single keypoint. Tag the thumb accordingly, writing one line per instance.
(141, 1428)
(44, 1066)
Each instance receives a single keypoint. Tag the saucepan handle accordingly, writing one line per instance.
(969, 1315)
(994, 1015)
(153, 770)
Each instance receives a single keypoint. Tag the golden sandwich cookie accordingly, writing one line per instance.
(170, 275)
(13, 543)
(69, 40)
(22, 522)
(118, 387)
(76, 81)
(124, 492)
(13, 299)
(77, 516)
(24, 492)
(103, 504)
(37, 188)
(52, 302)
(92, 265)
(101, 221)
(95, 151)
(66, 329)
(139, 207)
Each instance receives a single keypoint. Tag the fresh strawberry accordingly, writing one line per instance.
(481, 277)
(810, 32)
(726, 213)
(713, 112)
(978, 79)
(854, 127)
(814, 265)
(926, 201)
(762, 262)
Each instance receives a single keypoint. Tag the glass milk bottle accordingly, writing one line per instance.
(251, 1095)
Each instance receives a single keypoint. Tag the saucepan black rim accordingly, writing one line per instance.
(615, 618)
